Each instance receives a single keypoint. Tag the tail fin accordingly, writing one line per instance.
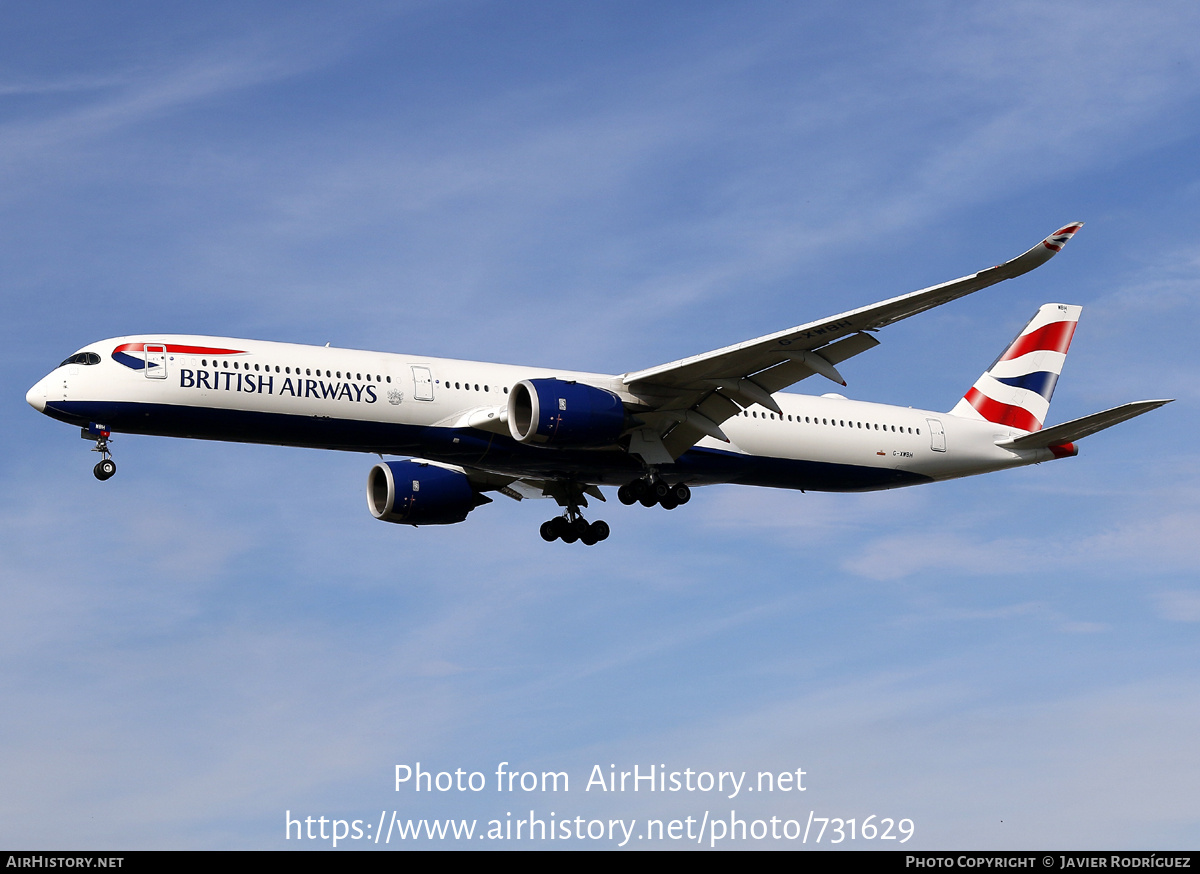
(1016, 390)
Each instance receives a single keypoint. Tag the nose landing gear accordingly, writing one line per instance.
(105, 467)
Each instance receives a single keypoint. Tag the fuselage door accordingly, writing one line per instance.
(937, 435)
(156, 361)
(422, 384)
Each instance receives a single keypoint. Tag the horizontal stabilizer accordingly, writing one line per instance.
(1077, 429)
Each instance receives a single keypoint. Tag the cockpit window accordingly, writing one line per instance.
(82, 358)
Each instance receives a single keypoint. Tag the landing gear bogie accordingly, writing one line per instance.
(573, 527)
(649, 492)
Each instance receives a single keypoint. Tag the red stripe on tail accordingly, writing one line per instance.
(1055, 337)
(1002, 414)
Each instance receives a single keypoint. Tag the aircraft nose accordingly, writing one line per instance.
(36, 397)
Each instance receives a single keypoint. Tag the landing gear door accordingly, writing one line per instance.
(937, 435)
(156, 361)
(422, 384)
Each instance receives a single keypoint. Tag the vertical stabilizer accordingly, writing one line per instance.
(1015, 391)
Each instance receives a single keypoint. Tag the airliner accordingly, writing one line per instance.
(466, 428)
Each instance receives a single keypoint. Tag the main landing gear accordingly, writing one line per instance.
(572, 527)
(105, 467)
(649, 491)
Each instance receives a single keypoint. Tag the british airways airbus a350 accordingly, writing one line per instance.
(471, 427)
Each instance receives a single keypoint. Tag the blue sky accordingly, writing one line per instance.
(222, 633)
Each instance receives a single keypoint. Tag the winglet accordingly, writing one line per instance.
(1059, 238)
(1039, 254)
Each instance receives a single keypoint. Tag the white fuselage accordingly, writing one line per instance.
(451, 410)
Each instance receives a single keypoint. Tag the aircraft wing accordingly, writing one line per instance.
(690, 398)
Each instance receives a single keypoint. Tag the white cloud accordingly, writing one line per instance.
(1179, 606)
(1167, 540)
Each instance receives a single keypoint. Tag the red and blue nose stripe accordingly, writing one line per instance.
(122, 354)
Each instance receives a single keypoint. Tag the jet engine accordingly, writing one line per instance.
(555, 412)
(412, 493)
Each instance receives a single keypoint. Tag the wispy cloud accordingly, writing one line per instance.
(1168, 538)
(1179, 606)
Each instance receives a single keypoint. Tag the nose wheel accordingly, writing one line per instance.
(105, 467)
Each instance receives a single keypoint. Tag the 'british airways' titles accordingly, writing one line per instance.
(255, 383)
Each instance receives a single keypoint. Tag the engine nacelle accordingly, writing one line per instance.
(411, 493)
(560, 413)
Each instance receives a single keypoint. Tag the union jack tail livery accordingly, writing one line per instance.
(1016, 390)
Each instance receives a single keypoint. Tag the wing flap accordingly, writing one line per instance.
(792, 370)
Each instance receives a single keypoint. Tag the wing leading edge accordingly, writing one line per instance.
(688, 399)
